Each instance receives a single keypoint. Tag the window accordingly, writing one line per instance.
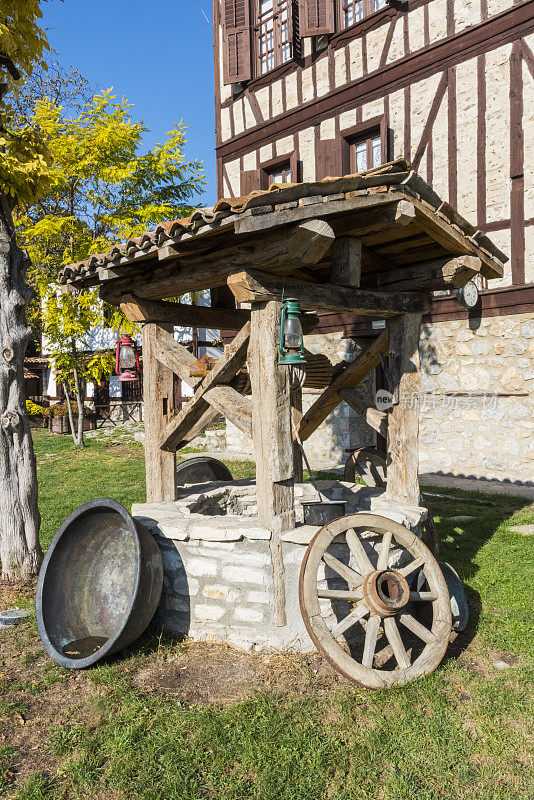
(274, 36)
(363, 147)
(353, 11)
(365, 153)
(279, 171)
(280, 175)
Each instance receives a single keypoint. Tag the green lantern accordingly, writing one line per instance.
(291, 336)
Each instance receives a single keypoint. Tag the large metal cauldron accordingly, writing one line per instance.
(99, 585)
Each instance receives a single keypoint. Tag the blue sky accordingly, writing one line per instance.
(157, 53)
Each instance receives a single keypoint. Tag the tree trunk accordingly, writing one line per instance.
(20, 551)
(79, 400)
(69, 409)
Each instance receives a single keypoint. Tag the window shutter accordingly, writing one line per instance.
(250, 180)
(316, 17)
(329, 158)
(236, 41)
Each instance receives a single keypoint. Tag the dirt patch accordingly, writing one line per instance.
(218, 675)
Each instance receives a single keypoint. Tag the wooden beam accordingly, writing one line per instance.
(157, 408)
(225, 369)
(138, 309)
(377, 420)
(346, 262)
(178, 359)
(352, 376)
(432, 276)
(403, 423)
(304, 244)
(232, 405)
(252, 287)
(271, 426)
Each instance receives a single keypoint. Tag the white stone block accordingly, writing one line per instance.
(243, 575)
(208, 612)
(255, 596)
(219, 591)
(212, 533)
(201, 567)
(244, 614)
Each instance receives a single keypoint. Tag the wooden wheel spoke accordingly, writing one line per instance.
(369, 632)
(415, 564)
(394, 638)
(371, 636)
(357, 550)
(423, 597)
(415, 627)
(352, 578)
(351, 619)
(339, 594)
(384, 551)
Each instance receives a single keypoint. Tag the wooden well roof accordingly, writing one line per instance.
(399, 219)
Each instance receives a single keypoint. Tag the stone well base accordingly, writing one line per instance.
(217, 562)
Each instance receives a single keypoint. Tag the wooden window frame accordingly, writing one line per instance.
(278, 44)
(266, 168)
(368, 11)
(368, 130)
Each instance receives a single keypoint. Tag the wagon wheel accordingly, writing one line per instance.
(367, 463)
(358, 603)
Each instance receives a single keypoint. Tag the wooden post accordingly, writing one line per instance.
(296, 414)
(158, 406)
(271, 429)
(403, 425)
(346, 261)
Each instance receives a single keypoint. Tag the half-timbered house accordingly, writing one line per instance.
(313, 88)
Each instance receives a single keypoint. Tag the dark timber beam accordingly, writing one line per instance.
(433, 276)
(253, 287)
(138, 309)
(303, 244)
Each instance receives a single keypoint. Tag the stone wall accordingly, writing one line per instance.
(484, 431)
(218, 582)
(343, 428)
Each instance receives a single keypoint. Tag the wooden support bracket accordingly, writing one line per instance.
(351, 376)
(225, 369)
(252, 287)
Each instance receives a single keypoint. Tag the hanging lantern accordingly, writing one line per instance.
(291, 350)
(127, 359)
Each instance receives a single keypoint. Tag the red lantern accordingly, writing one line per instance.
(127, 359)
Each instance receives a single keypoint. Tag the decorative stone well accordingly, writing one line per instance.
(217, 563)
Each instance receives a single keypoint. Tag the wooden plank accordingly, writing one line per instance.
(232, 405)
(253, 286)
(352, 376)
(158, 398)
(443, 232)
(346, 262)
(210, 416)
(296, 416)
(225, 369)
(432, 276)
(403, 422)
(302, 244)
(248, 222)
(178, 359)
(377, 420)
(138, 309)
(271, 425)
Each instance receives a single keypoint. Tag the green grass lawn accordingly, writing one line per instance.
(302, 734)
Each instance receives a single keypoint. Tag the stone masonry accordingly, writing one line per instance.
(217, 564)
(477, 403)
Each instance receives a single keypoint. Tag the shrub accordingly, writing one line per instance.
(33, 410)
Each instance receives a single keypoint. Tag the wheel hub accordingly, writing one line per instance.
(385, 592)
